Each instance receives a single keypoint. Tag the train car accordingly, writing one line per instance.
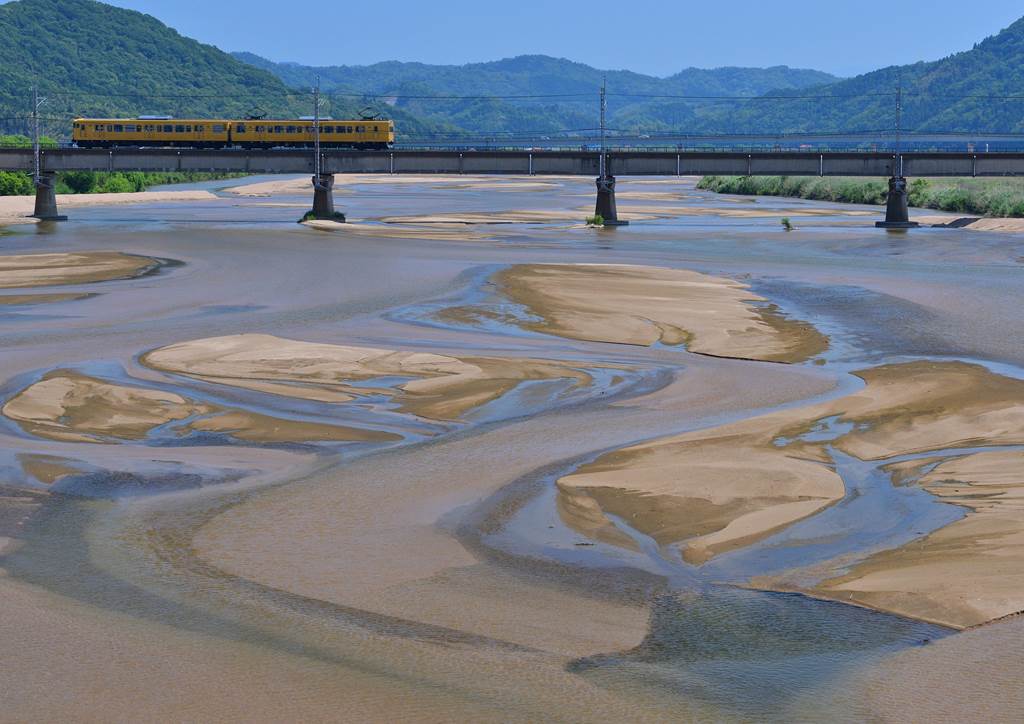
(163, 132)
(150, 132)
(377, 134)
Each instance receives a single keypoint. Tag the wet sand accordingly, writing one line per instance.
(36, 270)
(456, 571)
(646, 305)
(16, 209)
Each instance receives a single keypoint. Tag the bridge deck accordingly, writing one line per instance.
(580, 163)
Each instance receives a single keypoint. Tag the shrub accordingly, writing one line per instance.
(787, 224)
(595, 220)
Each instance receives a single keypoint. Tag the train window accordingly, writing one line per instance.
(118, 128)
(278, 129)
(376, 128)
(290, 129)
(110, 128)
(218, 128)
(188, 129)
(99, 127)
(261, 129)
(180, 128)
(168, 129)
(200, 129)
(240, 127)
(149, 128)
(360, 129)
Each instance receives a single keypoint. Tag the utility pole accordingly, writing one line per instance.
(604, 110)
(316, 131)
(899, 122)
(36, 103)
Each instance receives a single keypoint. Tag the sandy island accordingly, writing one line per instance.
(69, 406)
(439, 387)
(16, 209)
(715, 490)
(39, 270)
(645, 305)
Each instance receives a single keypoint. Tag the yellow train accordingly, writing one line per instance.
(154, 131)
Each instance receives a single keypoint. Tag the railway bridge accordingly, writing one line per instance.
(896, 166)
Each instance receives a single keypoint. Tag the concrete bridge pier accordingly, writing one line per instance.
(323, 198)
(46, 198)
(606, 202)
(897, 212)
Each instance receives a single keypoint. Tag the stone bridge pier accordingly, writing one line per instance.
(46, 198)
(323, 198)
(897, 210)
(606, 208)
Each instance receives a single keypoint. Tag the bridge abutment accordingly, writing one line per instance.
(606, 208)
(897, 209)
(323, 198)
(46, 198)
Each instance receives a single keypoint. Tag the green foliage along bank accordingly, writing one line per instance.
(1000, 197)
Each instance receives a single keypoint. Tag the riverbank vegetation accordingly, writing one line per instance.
(1000, 197)
(19, 183)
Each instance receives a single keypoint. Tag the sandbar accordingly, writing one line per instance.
(644, 305)
(16, 209)
(714, 490)
(32, 270)
(438, 387)
(69, 406)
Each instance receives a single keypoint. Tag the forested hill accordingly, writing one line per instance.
(981, 89)
(565, 92)
(95, 59)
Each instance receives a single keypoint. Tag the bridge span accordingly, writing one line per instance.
(523, 162)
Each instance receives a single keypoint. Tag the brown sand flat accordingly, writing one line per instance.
(16, 299)
(718, 489)
(443, 387)
(965, 574)
(47, 469)
(438, 232)
(66, 405)
(33, 270)
(645, 305)
(974, 223)
(491, 217)
(15, 209)
(69, 406)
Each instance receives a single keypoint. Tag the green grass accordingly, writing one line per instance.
(1001, 197)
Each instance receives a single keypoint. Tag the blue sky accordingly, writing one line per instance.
(659, 38)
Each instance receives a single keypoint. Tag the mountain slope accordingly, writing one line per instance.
(96, 59)
(962, 92)
(535, 75)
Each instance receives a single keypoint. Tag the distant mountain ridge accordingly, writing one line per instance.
(535, 75)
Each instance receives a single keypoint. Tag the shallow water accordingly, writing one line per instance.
(707, 650)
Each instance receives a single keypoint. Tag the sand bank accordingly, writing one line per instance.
(974, 223)
(19, 299)
(966, 573)
(644, 305)
(33, 270)
(70, 406)
(438, 232)
(16, 209)
(715, 490)
(438, 386)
